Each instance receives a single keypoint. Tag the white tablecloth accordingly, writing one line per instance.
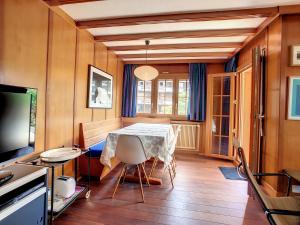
(156, 139)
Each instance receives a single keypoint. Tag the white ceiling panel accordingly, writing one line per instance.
(180, 26)
(178, 41)
(192, 50)
(125, 8)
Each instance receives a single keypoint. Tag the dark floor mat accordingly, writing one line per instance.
(230, 173)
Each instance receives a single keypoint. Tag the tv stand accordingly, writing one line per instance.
(23, 198)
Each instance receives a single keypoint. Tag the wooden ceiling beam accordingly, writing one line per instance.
(177, 34)
(64, 2)
(179, 17)
(177, 46)
(167, 55)
(289, 9)
(151, 62)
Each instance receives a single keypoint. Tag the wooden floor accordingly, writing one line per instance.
(201, 196)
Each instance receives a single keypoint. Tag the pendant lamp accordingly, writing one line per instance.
(146, 72)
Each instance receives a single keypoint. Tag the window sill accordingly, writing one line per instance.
(173, 118)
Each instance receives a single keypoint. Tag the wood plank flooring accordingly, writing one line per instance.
(201, 196)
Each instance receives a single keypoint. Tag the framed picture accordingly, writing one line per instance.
(295, 55)
(100, 89)
(294, 98)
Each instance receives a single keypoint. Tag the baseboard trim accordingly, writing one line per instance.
(214, 157)
(181, 151)
(235, 162)
(269, 189)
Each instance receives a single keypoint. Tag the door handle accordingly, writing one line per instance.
(259, 116)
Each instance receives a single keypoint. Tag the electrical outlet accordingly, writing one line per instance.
(296, 188)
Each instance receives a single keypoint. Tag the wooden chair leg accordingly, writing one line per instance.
(141, 184)
(118, 182)
(147, 178)
(153, 166)
(171, 176)
(125, 173)
(174, 160)
(173, 168)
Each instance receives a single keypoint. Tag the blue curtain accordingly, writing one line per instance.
(197, 99)
(232, 64)
(129, 91)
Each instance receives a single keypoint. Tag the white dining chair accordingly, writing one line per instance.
(131, 152)
(173, 147)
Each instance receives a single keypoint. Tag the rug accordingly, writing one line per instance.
(230, 173)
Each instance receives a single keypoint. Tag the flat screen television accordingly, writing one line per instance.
(17, 121)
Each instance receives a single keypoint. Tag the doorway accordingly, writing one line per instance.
(245, 92)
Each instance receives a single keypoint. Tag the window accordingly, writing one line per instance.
(144, 96)
(165, 96)
(183, 97)
(168, 93)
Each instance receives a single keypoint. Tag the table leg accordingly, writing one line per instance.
(75, 167)
(145, 174)
(89, 169)
(62, 170)
(52, 195)
(153, 166)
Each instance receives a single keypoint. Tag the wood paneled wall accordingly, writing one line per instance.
(100, 61)
(60, 83)
(270, 154)
(289, 130)
(112, 68)
(281, 135)
(215, 68)
(23, 52)
(172, 68)
(119, 88)
(245, 58)
(42, 49)
(184, 68)
(84, 57)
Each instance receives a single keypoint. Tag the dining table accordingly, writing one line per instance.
(156, 140)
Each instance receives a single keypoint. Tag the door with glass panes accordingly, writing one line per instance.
(220, 114)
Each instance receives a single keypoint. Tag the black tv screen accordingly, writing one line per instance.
(17, 121)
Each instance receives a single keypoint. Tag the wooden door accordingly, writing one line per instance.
(219, 122)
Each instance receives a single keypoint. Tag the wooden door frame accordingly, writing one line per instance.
(209, 109)
(237, 106)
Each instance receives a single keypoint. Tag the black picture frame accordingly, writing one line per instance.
(100, 89)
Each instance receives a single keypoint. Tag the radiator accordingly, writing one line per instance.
(188, 137)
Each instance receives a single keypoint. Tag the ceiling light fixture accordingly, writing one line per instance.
(146, 72)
